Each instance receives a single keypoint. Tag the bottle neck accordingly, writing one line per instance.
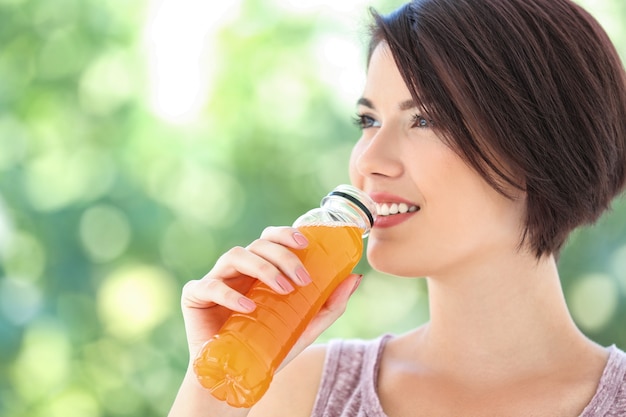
(354, 203)
(341, 212)
(344, 206)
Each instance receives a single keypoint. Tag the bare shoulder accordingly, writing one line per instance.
(294, 389)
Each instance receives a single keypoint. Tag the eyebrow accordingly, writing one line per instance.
(405, 105)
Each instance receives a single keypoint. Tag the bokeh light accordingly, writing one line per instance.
(24, 257)
(594, 300)
(59, 178)
(618, 267)
(44, 362)
(178, 38)
(105, 232)
(20, 300)
(106, 84)
(73, 402)
(134, 299)
(140, 140)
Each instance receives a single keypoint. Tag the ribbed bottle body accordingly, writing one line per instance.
(238, 364)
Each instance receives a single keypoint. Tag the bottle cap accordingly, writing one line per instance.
(357, 197)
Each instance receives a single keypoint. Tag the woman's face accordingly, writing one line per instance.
(443, 216)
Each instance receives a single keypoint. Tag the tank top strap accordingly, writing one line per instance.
(348, 384)
(369, 376)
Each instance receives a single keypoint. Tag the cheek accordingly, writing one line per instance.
(355, 177)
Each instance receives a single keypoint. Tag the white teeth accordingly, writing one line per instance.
(387, 209)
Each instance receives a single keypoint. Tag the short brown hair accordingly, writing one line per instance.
(531, 93)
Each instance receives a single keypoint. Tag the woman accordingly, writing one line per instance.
(502, 122)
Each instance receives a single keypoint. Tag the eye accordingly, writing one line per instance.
(363, 121)
(421, 122)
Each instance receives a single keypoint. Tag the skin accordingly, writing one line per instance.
(500, 340)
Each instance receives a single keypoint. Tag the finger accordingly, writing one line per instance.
(283, 258)
(286, 236)
(207, 293)
(334, 307)
(242, 261)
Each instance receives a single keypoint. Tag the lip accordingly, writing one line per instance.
(393, 220)
(382, 222)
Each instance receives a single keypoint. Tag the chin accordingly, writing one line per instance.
(391, 262)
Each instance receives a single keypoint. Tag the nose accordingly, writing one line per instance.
(378, 155)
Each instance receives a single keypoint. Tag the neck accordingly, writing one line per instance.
(509, 315)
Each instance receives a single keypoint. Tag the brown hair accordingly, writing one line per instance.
(531, 93)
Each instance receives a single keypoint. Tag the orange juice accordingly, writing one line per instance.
(237, 365)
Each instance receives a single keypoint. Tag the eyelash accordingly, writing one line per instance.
(421, 121)
(363, 121)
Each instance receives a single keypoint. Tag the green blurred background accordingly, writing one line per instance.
(140, 140)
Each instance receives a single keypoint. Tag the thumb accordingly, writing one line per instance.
(334, 307)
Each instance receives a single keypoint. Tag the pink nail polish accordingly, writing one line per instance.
(247, 303)
(356, 284)
(300, 239)
(303, 276)
(284, 284)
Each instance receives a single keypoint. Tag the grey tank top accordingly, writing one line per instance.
(348, 386)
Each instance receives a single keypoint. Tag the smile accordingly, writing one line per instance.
(389, 209)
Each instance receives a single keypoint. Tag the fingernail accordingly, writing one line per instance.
(284, 284)
(300, 239)
(303, 276)
(356, 284)
(247, 303)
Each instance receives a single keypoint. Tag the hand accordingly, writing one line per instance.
(208, 302)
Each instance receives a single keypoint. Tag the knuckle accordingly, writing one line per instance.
(268, 231)
(339, 310)
(266, 269)
(231, 296)
(275, 231)
(229, 256)
(212, 285)
(254, 244)
(335, 306)
(287, 261)
(235, 251)
(189, 287)
(288, 258)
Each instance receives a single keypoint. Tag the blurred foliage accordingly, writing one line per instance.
(109, 203)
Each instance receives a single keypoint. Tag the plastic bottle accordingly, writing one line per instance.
(237, 364)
